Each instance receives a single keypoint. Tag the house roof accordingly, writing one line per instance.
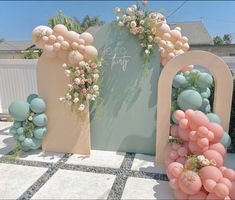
(15, 45)
(195, 31)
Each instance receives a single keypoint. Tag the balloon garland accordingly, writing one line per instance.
(80, 61)
(151, 28)
(29, 127)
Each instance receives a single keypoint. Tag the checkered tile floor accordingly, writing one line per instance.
(102, 175)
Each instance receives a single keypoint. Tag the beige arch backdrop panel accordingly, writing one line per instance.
(222, 97)
(68, 131)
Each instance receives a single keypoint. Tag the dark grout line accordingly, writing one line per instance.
(44, 178)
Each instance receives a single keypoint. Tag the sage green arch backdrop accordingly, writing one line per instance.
(222, 97)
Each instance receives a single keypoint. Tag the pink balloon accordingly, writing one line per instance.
(210, 172)
(183, 134)
(60, 29)
(174, 130)
(179, 114)
(212, 196)
(226, 181)
(174, 169)
(199, 196)
(74, 45)
(182, 151)
(193, 135)
(176, 34)
(194, 148)
(203, 142)
(214, 155)
(164, 28)
(174, 184)
(185, 47)
(173, 155)
(87, 37)
(175, 146)
(81, 48)
(189, 182)
(178, 194)
(45, 38)
(219, 148)
(217, 130)
(181, 160)
(209, 185)
(197, 119)
(183, 123)
(184, 39)
(56, 46)
(90, 52)
(221, 190)
(203, 131)
(166, 36)
(65, 45)
(229, 173)
(60, 38)
(210, 136)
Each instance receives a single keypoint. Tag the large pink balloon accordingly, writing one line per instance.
(209, 185)
(197, 119)
(219, 148)
(60, 29)
(71, 36)
(87, 37)
(183, 134)
(189, 182)
(217, 130)
(232, 191)
(210, 172)
(214, 155)
(90, 53)
(221, 190)
(174, 169)
(195, 148)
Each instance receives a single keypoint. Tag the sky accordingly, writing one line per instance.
(18, 18)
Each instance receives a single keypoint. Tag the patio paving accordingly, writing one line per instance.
(102, 175)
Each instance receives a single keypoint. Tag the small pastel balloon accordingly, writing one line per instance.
(40, 120)
(210, 172)
(210, 136)
(176, 34)
(217, 130)
(178, 45)
(38, 105)
(182, 151)
(179, 114)
(162, 43)
(37, 35)
(181, 160)
(56, 46)
(170, 55)
(214, 155)
(209, 185)
(163, 53)
(90, 52)
(74, 57)
(185, 47)
(173, 155)
(164, 28)
(202, 131)
(65, 45)
(175, 166)
(221, 190)
(45, 39)
(184, 124)
(169, 46)
(87, 37)
(183, 134)
(31, 97)
(60, 38)
(74, 45)
(184, 39)
(203, 142)
(195, 148)
(52, 39)
(81, 42)
(81, 48)
(72, 36)
(49, 32)
(175, 146)
(17, 124)
(219, 148)
(226, 181)
(19, 110)
(193, 135)
(166, 36)
(225, 140)
(40, 132)
(229, 174)
(178, 28)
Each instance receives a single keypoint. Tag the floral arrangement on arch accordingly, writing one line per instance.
(151, 28)
(81, 64)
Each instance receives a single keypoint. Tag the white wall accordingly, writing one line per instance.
(17, 80)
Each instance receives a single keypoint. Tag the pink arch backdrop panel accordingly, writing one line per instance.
(68, 131)
(222, 97)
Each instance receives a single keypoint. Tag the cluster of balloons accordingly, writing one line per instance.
(171, 43)
(30, 121)
(195, 160)
(191, 90)
(69, 46)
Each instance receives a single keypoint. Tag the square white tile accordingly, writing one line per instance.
(147, 163)
(66, 184)
(16, 179)
(41, 156)
(140, 188)
(7, 144)
(99, 159)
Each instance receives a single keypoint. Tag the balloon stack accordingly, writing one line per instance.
(195, 158)
(30, 122)
(69, 46)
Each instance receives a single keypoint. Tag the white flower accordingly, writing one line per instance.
(76, 100)
(67, 72)
(30, 118)
(201, 158)
(150, 46)
(117, 10)
(68, 96)
(205, 162)
(93, 97)
(77, 81)
(70, 86)
(96, 76)
(96, 87)
(81, 107)
(75, 94)
(82, 63)
(142, 22)
(134, 7)
(64, 65)
(133, 24)
(120, 23)
(88, 96)
(142, 44)
(147, 51)
(117, 17)
(61, 98)
(129, 11)
(32, 113)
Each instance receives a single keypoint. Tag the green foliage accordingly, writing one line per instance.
(30, 54)
(16, 152)
(227, 38)
(217, 40)
(28, 128)
(65, 20)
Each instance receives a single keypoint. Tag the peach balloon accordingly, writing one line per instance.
(203, 142)
(60, 38)
(184, 39)
(71, 36)
(87, 37)
(219, 148)
(166, 36)
(221, 190)
(56, 46)
(37, 35)
(199, 196)
(183, 123)
(170, 55)
(210, 172)
(173, 155)
(210, 136)
(60, 29)
(189, 182)
(169, 46)
(179, 114)
(185, 47)
(178, 28)
(74, 57)
(90, 53)
(174, 184)
(217, 130)
(178, 45)
(65, 45)
(49, 32)
(157, 39)
(209, 185)
(178, 194)
(81, 48)
(162, 43)
(81, 41)
(176, 34)
(214, 155)
(52, 39)
(74, 45)
(45, 38)
(164, 28)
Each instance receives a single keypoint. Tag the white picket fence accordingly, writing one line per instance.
(18, 79)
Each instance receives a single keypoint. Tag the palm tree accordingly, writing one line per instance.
(227, 38)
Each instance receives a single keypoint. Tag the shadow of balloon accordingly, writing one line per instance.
(9, 143)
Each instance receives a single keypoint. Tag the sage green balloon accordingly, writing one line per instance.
(19, 110)
(36, 143)
(39, 132)
(226, 140)
(23, 147)
(189, 99)
(13, 130)
(179, 81)
(40, 120)
(28, 142)
(31, 97)
(174, 119)
(21, 138)
(17, 124)
(205, 80)
(214, 118)
(20, 131)
(38, 105)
